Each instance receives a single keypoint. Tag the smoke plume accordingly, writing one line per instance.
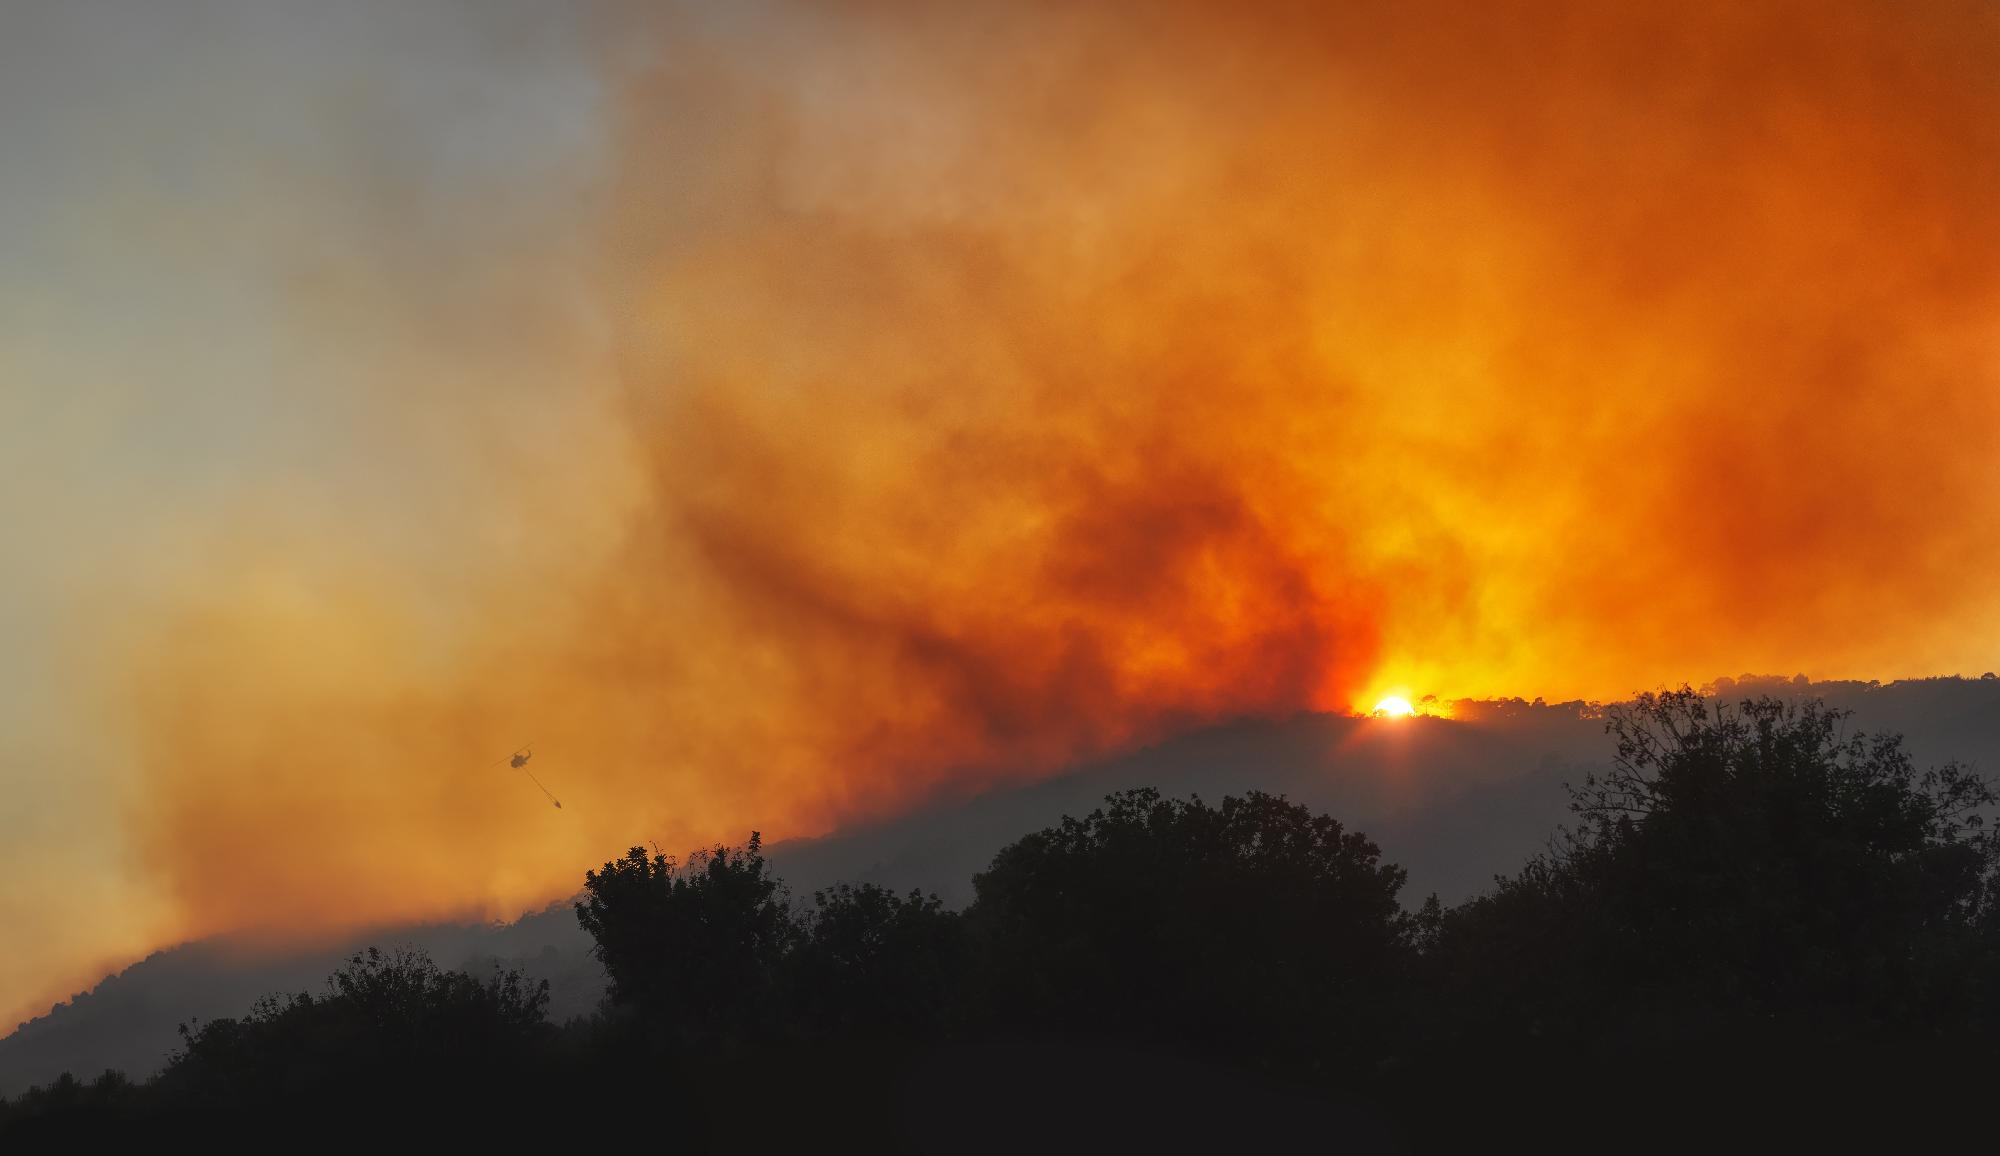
(969, 388)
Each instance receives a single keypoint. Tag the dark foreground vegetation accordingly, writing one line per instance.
(1761, 931)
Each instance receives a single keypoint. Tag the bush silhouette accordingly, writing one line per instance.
(391, 1027)
(67, 1096)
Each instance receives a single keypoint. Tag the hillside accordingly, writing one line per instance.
(1453, 800)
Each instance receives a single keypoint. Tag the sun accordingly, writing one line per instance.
(1395, 706)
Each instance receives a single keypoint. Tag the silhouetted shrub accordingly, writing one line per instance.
(391, 1027)
(67, 1097)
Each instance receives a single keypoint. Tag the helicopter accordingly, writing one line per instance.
(519, 761)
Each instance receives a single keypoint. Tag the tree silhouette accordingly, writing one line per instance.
(1740, 868)
(871, 963)
(1255, 925)
(1750, 894)
(697, 948)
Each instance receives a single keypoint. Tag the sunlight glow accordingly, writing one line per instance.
(1395, 706)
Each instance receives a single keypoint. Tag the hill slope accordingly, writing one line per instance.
(1454, 801)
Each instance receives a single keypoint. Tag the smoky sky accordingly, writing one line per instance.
(779, 413)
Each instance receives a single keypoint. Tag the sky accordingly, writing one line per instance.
(779, 413)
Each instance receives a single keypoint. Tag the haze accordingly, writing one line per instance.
(780, 414)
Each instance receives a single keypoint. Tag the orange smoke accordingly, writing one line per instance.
(1005, 383)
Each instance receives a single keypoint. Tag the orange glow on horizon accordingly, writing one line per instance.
(974, 397)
